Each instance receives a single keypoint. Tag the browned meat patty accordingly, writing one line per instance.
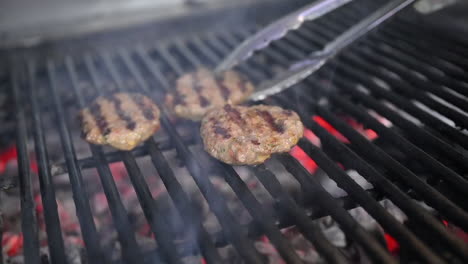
(200, 91)
(122, 120)
(242, 135)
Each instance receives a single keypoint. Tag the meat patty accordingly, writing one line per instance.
(243, 135)
(200, 91)
(122, 120)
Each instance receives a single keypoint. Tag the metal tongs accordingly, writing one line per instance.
(302, 69)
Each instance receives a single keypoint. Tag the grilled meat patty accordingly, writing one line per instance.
(242, 135)
(200, 91)
(122, 120)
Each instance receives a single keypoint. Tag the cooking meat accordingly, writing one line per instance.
(122, 120)
(242, 135)
(197, 92)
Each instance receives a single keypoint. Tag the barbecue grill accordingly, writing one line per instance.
(404, 83)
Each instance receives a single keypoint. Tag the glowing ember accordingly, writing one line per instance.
(306, 161)
(392, 244)
(10, 155)
(12, 243)
(330, 128)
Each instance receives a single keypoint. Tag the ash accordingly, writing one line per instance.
(72, 234)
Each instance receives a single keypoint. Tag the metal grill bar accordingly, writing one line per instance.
(128, 159)
(382, 184)
(430, 195)
(383, 110)
(424, 136)
(308, 228)
(429, 138)
(410, 210)
(52, 221)
(453, 61)
(252, 205)
(197, 231)
(430, 81)
(442, 40)
(402, 70)
(443, 171)
(219, 207)
(337, 212)
(182, 202)
(319, 244)
(264, 219)
(403, 86)
(228, 45)
(446, 204)
(417, 132)
(350, 159)
(347, 223)
(194, 60)
(269, 180)
(174, 62)
(249, 201)
(351, 59)
(114, 156)
(157, 156)
(407, 206)
(451, 74)
(455, 179)
(28, 213)
(207, 52)
(389, 222)
(457, 116)
(130, 249)
(403, 103)
(142, 54)
(392, 80)
(150, 209)
(314, 211)
(432, 84)
(420, 64)
(80, 196)
(231, 228)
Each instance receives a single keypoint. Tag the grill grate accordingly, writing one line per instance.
(400, 73)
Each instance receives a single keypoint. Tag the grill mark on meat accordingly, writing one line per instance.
(235, 116)
(121, 113)
(224, 90)
(107, 131)
(179, 99)
(218, 129)
(203, 101)
(271, 121)
(256, 141)
(198, 89)
(96, 112)
(145, 108)
(148, 114)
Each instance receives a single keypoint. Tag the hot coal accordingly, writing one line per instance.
(108, 235)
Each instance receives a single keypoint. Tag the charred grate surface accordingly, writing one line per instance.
(415, 81)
